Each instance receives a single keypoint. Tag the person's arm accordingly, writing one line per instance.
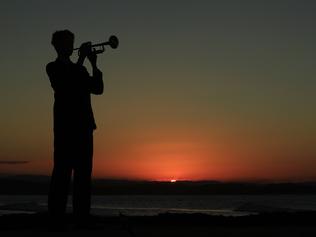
(58, 79)
(54, 76)
(96, 82)
(84, 50)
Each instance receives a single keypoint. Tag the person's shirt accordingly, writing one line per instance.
(72, 87)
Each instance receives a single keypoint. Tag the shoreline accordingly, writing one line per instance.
(153, 205)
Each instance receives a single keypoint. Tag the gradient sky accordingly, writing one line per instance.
(197, 89)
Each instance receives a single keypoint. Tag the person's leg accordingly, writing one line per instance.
(59, 187)
(61, 177)
(82, 176)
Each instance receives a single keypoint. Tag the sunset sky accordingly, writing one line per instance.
(216, 90)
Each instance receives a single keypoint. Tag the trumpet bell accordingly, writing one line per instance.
(113, 42)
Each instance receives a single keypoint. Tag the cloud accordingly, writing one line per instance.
(13, 162)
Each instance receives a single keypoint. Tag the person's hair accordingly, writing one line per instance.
(60, 36)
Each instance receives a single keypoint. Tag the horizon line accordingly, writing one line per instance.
(258, 181)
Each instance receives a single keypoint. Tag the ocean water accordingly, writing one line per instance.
(148, 205)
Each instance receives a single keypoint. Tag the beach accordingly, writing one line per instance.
(265, 224)
(235, 215)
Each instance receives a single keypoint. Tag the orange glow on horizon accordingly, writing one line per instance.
(191, 161)
(160, 161)
(194, 161)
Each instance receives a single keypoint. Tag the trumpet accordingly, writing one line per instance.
(113, 42)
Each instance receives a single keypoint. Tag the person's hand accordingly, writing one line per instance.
(92, 56)
(85, 49)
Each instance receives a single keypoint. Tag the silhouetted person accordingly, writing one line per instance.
(73, 125)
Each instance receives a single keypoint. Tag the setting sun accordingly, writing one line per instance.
(173, 180)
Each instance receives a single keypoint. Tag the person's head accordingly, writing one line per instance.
(63, 42)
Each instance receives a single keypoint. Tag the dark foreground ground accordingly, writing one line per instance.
(272, 224)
